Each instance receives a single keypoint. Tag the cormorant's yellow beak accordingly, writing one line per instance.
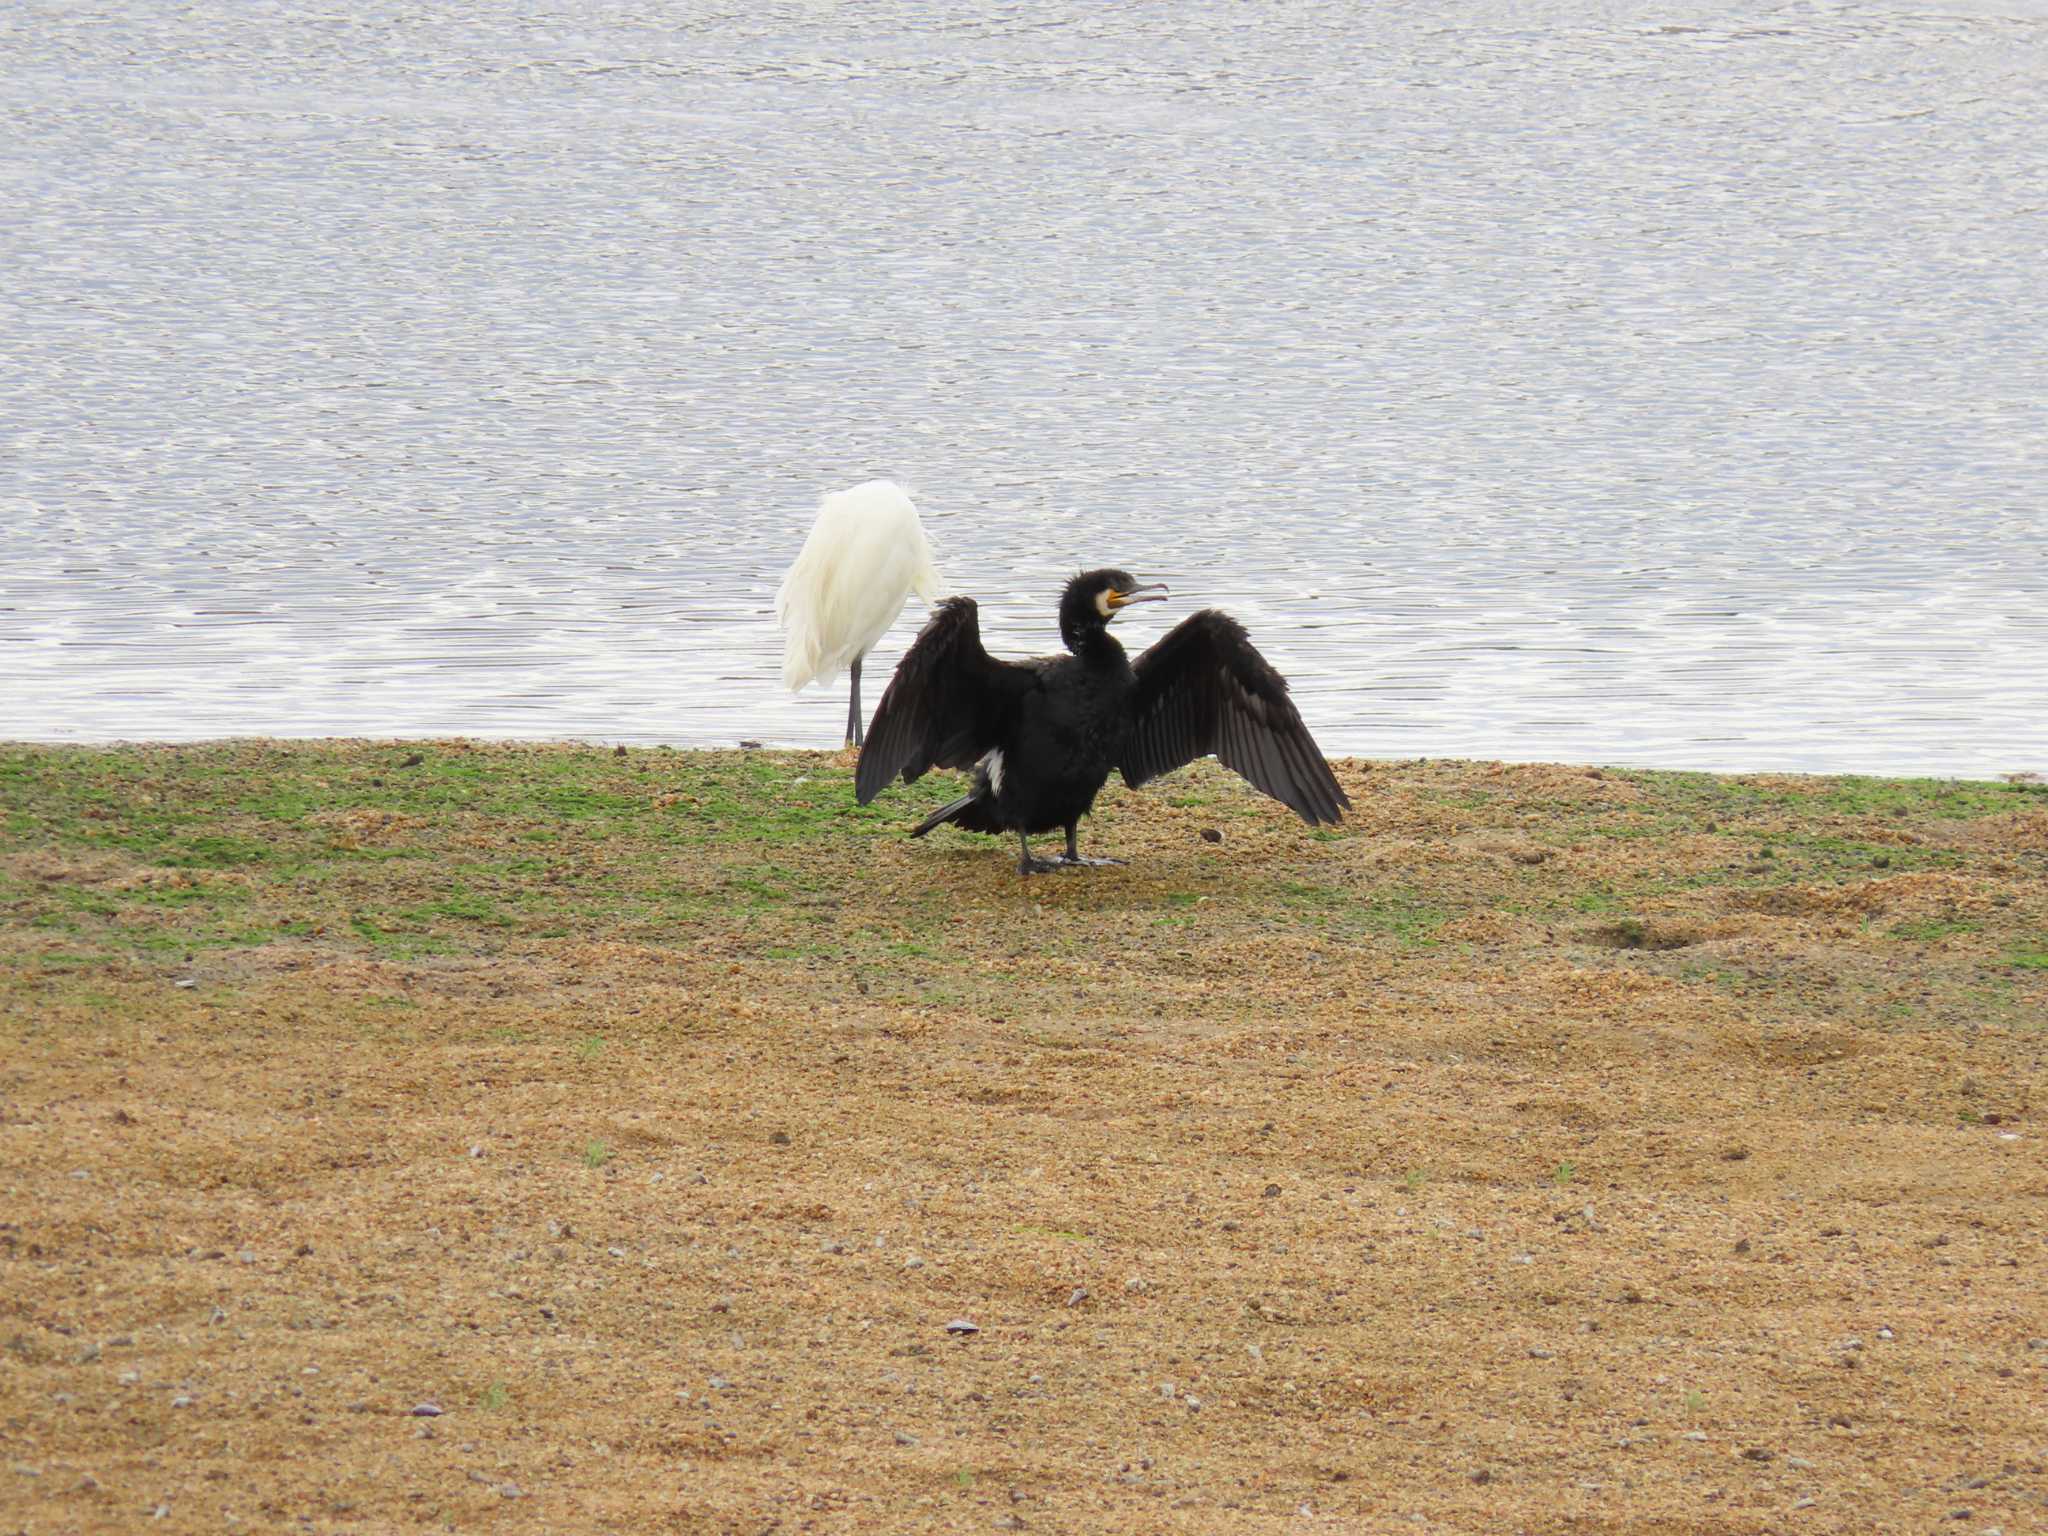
(1155, 592)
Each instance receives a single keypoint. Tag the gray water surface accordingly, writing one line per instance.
(1595, 382)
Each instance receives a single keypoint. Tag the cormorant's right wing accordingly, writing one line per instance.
(1203, 687)
(944, 707)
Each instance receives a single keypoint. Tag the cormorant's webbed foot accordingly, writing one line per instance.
(1074, 859)
(1028, 863)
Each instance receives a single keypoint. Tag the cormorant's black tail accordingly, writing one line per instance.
(974, 811)
(944, 814)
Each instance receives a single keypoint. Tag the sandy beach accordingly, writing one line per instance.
(460, 1136)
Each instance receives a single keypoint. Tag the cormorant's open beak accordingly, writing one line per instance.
(1155, 592)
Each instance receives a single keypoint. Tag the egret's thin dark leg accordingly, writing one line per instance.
(1074, 852)
(1026, 864)
(854, 735)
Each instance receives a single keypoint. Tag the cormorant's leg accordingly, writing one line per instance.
(854, 735)
(1074, 853)
(1026, 864)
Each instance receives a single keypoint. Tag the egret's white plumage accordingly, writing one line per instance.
(866, 554)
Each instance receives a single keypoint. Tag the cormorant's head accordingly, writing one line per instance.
(1093, 598)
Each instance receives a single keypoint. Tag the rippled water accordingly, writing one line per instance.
(1538, 381)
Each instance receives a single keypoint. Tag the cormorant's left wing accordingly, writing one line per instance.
(944, 707)
(1202, 688)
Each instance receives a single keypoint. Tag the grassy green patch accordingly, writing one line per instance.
(1402, 914)
(405, 853)
(401, 943)
(460, 904)
(1941, 799)
(213, 852)
(1929, 930)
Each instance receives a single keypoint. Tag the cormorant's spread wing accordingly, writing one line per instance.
(1203, 688)
(944, 707)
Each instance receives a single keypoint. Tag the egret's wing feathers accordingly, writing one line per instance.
(1203, 687)
(865, 554)
(945, 705)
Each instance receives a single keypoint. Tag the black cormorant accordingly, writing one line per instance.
(1042, 736)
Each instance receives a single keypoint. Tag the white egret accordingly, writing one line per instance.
(865, 555)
